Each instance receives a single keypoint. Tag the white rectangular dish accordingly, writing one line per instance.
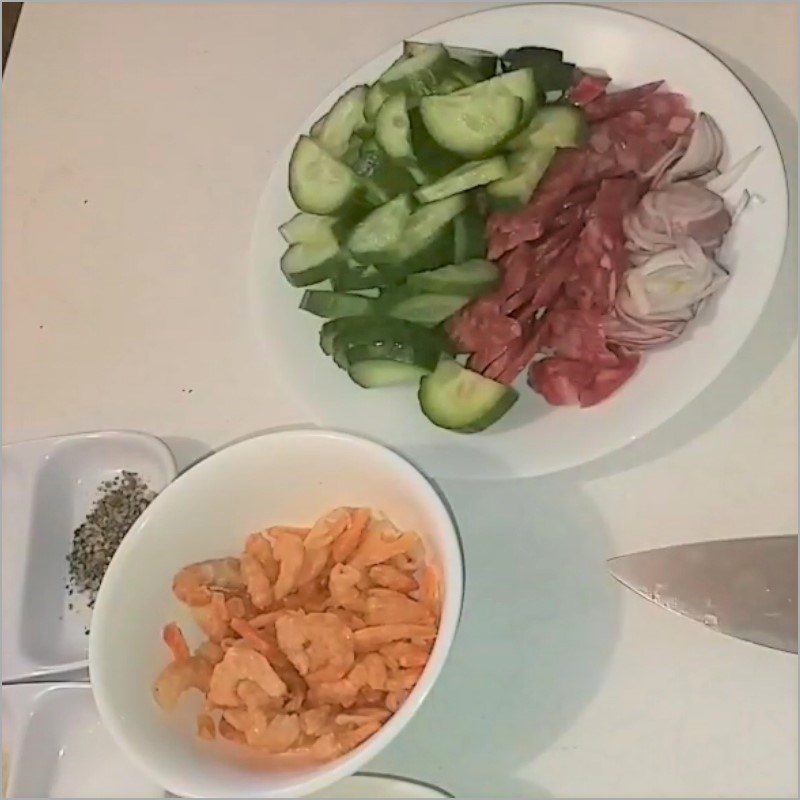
(48, 487)
(56, 746)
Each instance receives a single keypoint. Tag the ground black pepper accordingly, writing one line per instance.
(95, 541)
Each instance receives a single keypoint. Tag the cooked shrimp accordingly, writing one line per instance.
(229, 732)
(312, 596)
(392, 578)
(253, 696)
(275, 734)
(206, 729)
(363, 715)
(242, 663)
(395, 699)
(319, 645)
(430, 590)
(375, 671)
(403, 679)
(290, 554)
(327, 528)
(236, 607)
(370, 697)
(314, 720)
(266, 620)
(352, 738)
(343, 693)
(180, 676)
(212, 620)
(343, 586)
(405, 654)
(353, 621)
(372, 638)
(259, 586)
(326, 747)
(404, 563)
(174, 639)
(260, 548)
(349, 538)
(211, 652)
(314, 562)
(193, 584)
(380, 543)
(386, 607)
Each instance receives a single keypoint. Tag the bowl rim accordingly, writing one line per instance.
(453, 568)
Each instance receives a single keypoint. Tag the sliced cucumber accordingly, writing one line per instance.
(463, 178)
(351, 276)
(380, 231)
(426, 309)
(553, 126)
(306, 263)
(383, 177)
(469, 234)
(318, 183)
(393, 129)
(552, 72)
(417, 74)
(520, 83)
(468, 279)
(332, 305)
(342, 121)
(526, 170)
(432, 159)
(470, 124)
(305, 228)
(458, 399)
(484, 62)
(333, 327)
(376, 97)
(373, 373)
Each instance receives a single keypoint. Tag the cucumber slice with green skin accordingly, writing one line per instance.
(553, 126)
(520, 83)
(427, 240)
(426, 309)
(393, 129)
(318, 183)
(351, 276)
(417, 74)
(345, 118)
(458, 399)
(333, 327)
(432, 159)
(380, 231)
(304, 264)
(484, 62)
(376, 97)
(374, 373)
(464, 178)
(552, 72)
(526, 170)
(383, 177)
(469, 279)
(469, 234)
(472, 125)
(332, 305)
(306, 228)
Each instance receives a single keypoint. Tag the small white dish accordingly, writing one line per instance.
(287, 477)
(49, 485)
(57, 746)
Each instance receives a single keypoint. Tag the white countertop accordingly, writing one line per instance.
(136, 142)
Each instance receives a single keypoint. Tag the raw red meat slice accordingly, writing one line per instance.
(609, 105)
(587, 88)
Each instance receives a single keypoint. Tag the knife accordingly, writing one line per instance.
(745, 588)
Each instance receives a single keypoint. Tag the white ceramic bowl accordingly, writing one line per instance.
(286, 477)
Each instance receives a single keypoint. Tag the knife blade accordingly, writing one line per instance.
(745, 588)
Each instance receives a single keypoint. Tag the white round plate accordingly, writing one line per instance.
(535, 438)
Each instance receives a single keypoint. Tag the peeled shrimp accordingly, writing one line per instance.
(343, 586)
(174, 639)
(319, 645)
(326, 747)
(430, 590)
(343, 693)
(349, 538)
(259, 547)
(193, 584)
(403, 679)
(314, 720)
(211, 652)
(326, 529)
(379, 543)
(242, 663)
(253, 696)
(212, 618)
(259, 586)
(353, 621)
(180, 676)
(314, 561)
(206, 729)
(353, 738)
(392, 578)
(374, 637)
(374, 671)
(405, 654)
(386, 607)
(290, 554)
(363, 715)
(229, 732)
(275, 734)
(395, 699)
